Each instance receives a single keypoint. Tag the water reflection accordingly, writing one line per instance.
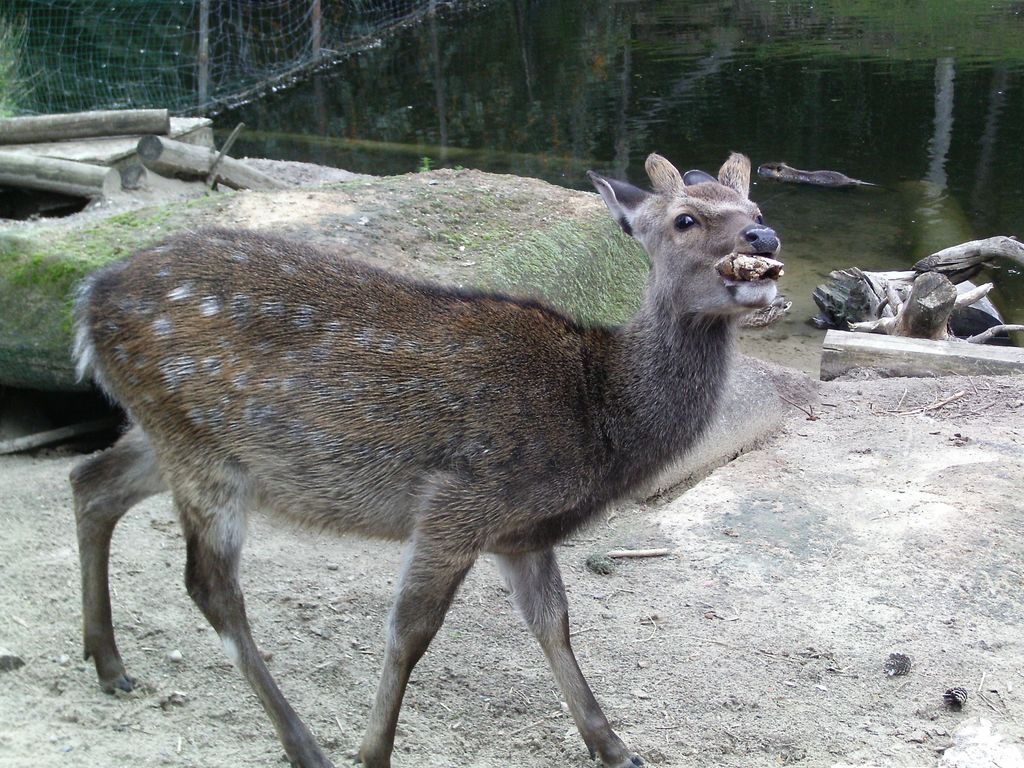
(924, 99)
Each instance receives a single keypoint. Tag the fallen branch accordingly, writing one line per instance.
(967, 298)
(638, 553)
(974, 252)
(51, 436)
(807, 410)
(981, 338)
(211, 177)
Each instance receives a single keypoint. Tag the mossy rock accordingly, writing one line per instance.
(517, 235)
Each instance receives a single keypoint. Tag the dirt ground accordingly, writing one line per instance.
(891, 523)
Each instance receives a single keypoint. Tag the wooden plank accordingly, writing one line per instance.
(68, 177)
(172, 158)
(843, 351)
(78, 125)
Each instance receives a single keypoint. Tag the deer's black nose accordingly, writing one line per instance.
(761, 239)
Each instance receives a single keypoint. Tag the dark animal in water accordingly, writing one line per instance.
(269, 374)
(783, 172)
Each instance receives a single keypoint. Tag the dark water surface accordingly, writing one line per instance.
(925, 99)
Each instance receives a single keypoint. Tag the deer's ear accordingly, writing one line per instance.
(735, 173)
(664, 176)
(622, 199)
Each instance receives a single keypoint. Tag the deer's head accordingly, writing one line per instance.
(711, 251)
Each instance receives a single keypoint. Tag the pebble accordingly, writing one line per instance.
(63, 659)
(176, 656)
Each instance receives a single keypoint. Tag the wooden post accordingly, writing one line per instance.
(314, 37)
(80, 125)
(204, 52)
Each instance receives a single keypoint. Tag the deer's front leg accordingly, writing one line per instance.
(430, 576)
(539, 595)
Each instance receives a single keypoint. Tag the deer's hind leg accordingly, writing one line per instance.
(105, 486)
(213, 511)
(539, 594)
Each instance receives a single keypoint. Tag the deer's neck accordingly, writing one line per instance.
(665, 378)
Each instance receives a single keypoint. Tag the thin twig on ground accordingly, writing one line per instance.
(638, 553)
(932, 406)
(808, 410)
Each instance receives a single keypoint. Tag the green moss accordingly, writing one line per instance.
(38, 275)
(585, 266)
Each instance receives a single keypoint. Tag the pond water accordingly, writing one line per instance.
(925, 99)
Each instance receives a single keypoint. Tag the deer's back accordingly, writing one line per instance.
(347, 396)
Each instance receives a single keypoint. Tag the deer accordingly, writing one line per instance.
(262, 374)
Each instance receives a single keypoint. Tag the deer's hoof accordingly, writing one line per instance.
(122, 682)
(633, 761)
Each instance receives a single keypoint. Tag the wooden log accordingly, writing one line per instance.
(66, 176)
(77, 125)
(925, 314)
(843, 351)
(172, 158)
(967, 258)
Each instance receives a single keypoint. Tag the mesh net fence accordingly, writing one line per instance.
(185, 55)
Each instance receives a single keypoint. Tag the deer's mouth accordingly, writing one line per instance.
(749, 267)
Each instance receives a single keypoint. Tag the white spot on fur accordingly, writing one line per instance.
(174, 369)
(209, 306)
(365, 337)
(387, 343)
(211, 365)
(271, 307)
(161, 326)
(303, 317)
(180, 293)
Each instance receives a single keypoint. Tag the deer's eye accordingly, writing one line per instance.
(684, 221)
(759, 219)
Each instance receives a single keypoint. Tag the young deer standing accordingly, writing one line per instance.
(262, 373)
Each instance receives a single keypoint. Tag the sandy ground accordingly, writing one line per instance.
(891, 523)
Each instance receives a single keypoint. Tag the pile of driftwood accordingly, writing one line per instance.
(86, 154)
(933, 302)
